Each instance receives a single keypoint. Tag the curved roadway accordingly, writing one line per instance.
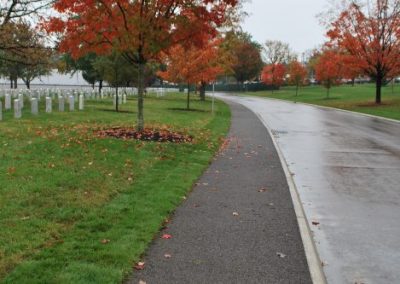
(347, 171)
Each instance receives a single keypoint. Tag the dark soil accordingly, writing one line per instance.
(155, 135)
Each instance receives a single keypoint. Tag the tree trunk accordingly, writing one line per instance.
(116, 99)
(203, 91)
(327, 92)
(28, 84)
(188, 98)
(297, 89)
(100, 86)
(140, 122)
(93, 85)
(378, 89)
(11, 83)
(15, 83)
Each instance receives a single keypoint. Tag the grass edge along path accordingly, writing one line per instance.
(105, 245)
(359, 98)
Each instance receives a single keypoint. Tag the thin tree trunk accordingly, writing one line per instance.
(140, 122)
(100, 86)
(378, 99)
(16, 83)
(11, 83)
(203, 91)
(297, 89)
(327, 92)
(188, 98)
(116, 99)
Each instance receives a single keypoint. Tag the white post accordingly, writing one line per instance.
(81, 102)
(48, 105)
(7, 102)
(61, 103)
(17, 109)
(213, 98)
(21, 100)
(71, 103)
(34, 106)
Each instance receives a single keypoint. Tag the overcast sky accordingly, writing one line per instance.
(291, 21)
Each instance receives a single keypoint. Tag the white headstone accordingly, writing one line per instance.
(34, 106)
(48, 104)
(71, 103)
(7, 104)
(124, 98)
(61, 103)
(81, 102)
(114, 100)
(17, 108)
(21, 100)
(119, 99)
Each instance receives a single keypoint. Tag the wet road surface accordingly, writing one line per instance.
(347, 170)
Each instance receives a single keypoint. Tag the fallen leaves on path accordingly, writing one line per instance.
(166, 236)
(140, 266)
(281, 255)
(235, 214)
(261, 190)
(167, 256)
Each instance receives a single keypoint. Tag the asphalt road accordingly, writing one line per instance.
(347, 170)
(238, 225)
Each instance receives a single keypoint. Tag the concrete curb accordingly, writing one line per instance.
(313, 260)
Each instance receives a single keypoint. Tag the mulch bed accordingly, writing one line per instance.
(155, 135)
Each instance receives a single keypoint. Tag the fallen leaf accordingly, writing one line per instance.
(139, 266)
(281, 255)
(167, 255)
(11, 170)
(235, 214)
(142, 282)
(166, 236)
(105, 241)
(205, 184)
(315, 223)
(262, 189)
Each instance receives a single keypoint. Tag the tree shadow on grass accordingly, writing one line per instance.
(188, 110)
(120, 111)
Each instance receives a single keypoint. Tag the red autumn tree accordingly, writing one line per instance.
(194, 65)
(297, 74)
(329, 69)
(371, 35)
(140, 30)
(274, 74)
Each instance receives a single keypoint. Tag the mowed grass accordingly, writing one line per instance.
(80, 209)
(360, 98)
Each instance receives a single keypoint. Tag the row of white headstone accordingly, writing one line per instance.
(19, 105)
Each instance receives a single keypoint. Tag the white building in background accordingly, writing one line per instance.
(55, 79)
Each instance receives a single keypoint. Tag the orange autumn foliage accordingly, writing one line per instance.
(274, 74)
(329, 69)
(193, 65)
(297, 74)
(370, 35)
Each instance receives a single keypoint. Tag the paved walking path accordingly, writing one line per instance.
(238, 225)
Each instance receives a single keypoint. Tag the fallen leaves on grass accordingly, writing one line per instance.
(105, 241)
(156, 135)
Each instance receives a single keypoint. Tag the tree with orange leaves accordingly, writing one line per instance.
(329, 69)
(139, 30)
(194, 65)
(297, 74)
(274, 74)
(371, 36)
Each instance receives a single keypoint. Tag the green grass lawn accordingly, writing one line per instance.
(79, 209)
(359, 98)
